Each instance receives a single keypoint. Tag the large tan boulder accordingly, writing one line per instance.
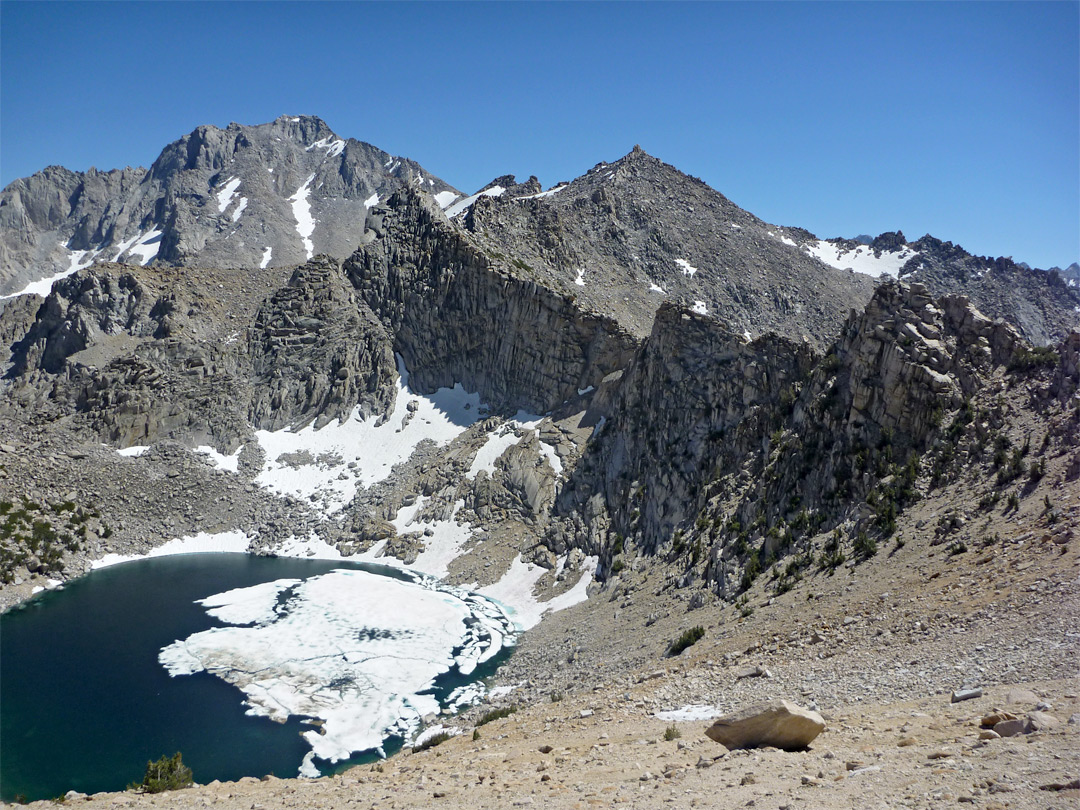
(779, 723)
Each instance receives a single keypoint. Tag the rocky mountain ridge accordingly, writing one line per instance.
(244, 196)
(764, 426)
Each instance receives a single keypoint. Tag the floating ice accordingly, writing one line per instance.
(360, 651)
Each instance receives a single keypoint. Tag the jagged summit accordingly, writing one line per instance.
(244, 196)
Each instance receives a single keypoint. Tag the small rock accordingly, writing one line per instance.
(989, 734)
(906, 741)
(1041, 721)
(966, 694)
(1025, 696)
(545, 749)
(1010, 728)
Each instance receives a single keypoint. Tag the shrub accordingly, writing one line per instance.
(865, 545)
(672, 733)
(495, 714)
(168, 773)
(432, 741)
(688, 639)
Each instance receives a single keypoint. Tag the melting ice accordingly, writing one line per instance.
(358, 650)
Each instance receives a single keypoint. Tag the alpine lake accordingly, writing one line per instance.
(88, 699)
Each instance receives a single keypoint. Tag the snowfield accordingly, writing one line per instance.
(861, 259)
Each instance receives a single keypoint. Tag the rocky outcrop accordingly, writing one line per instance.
(693, 391)
(317, 351)
(458, 314)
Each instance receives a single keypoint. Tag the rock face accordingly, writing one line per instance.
(244, 196)
(754, 402)
(458, 314)
(779, 724)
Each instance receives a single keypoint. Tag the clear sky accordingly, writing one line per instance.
(961, 120)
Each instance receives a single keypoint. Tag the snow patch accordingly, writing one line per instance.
(305, 223)
(201, 543)
(371, 201)
(515, 590)
(692, 713)
(225, 196)
(458, 207)
(547, 193)
(700, 308)
(239, 209)
(329, 464)
(444, 198)
(653, 287)
(861, 259)
(687, 268)
(76, 261)
(221, 461)
(133, 451)
(580, 280)
(266, 258)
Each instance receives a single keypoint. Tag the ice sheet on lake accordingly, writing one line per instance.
(358, 650)
(329, 464)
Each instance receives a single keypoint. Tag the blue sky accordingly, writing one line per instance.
(961, 120)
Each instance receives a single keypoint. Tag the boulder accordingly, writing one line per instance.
(779, 723)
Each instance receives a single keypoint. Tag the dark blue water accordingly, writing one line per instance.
(85, 703)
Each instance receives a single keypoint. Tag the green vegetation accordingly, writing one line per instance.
(38, 536)
(672, 733)
(688, 639)
(1025, 359)
(496, 714)
(432, 741)
(168, 773)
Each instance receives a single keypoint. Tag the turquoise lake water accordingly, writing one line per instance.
(85, 702)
